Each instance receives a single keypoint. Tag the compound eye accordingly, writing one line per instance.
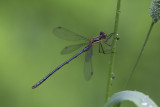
(101, 33)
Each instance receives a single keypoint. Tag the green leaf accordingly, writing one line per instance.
(138, 98)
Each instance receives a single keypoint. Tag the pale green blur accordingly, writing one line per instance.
(29, 51)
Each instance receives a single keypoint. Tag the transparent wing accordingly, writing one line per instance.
(88, 68)
(71, 48)
(67, 34)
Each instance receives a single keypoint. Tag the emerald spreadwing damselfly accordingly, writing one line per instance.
(71, 36)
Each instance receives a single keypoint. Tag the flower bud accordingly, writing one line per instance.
(155, 10)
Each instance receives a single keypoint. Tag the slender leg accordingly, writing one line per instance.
(110, 35)
(111, 43)
(107, 52)
(101, 50)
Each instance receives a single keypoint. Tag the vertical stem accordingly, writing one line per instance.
(140, 54)
(112, 57)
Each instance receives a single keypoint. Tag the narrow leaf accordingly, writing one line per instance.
(138, 98)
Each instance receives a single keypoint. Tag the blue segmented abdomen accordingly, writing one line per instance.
(41, 81)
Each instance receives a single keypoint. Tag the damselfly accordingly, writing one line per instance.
(71, 36)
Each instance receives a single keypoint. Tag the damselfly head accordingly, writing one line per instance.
(103, 34)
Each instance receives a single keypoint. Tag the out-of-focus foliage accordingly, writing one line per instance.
(138, 98)
(29, 51)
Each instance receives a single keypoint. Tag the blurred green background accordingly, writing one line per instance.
(29, 51)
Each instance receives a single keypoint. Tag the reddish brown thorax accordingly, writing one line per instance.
(98, 39)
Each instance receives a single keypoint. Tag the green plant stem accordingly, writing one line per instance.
(113, 48)
(140, 54)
